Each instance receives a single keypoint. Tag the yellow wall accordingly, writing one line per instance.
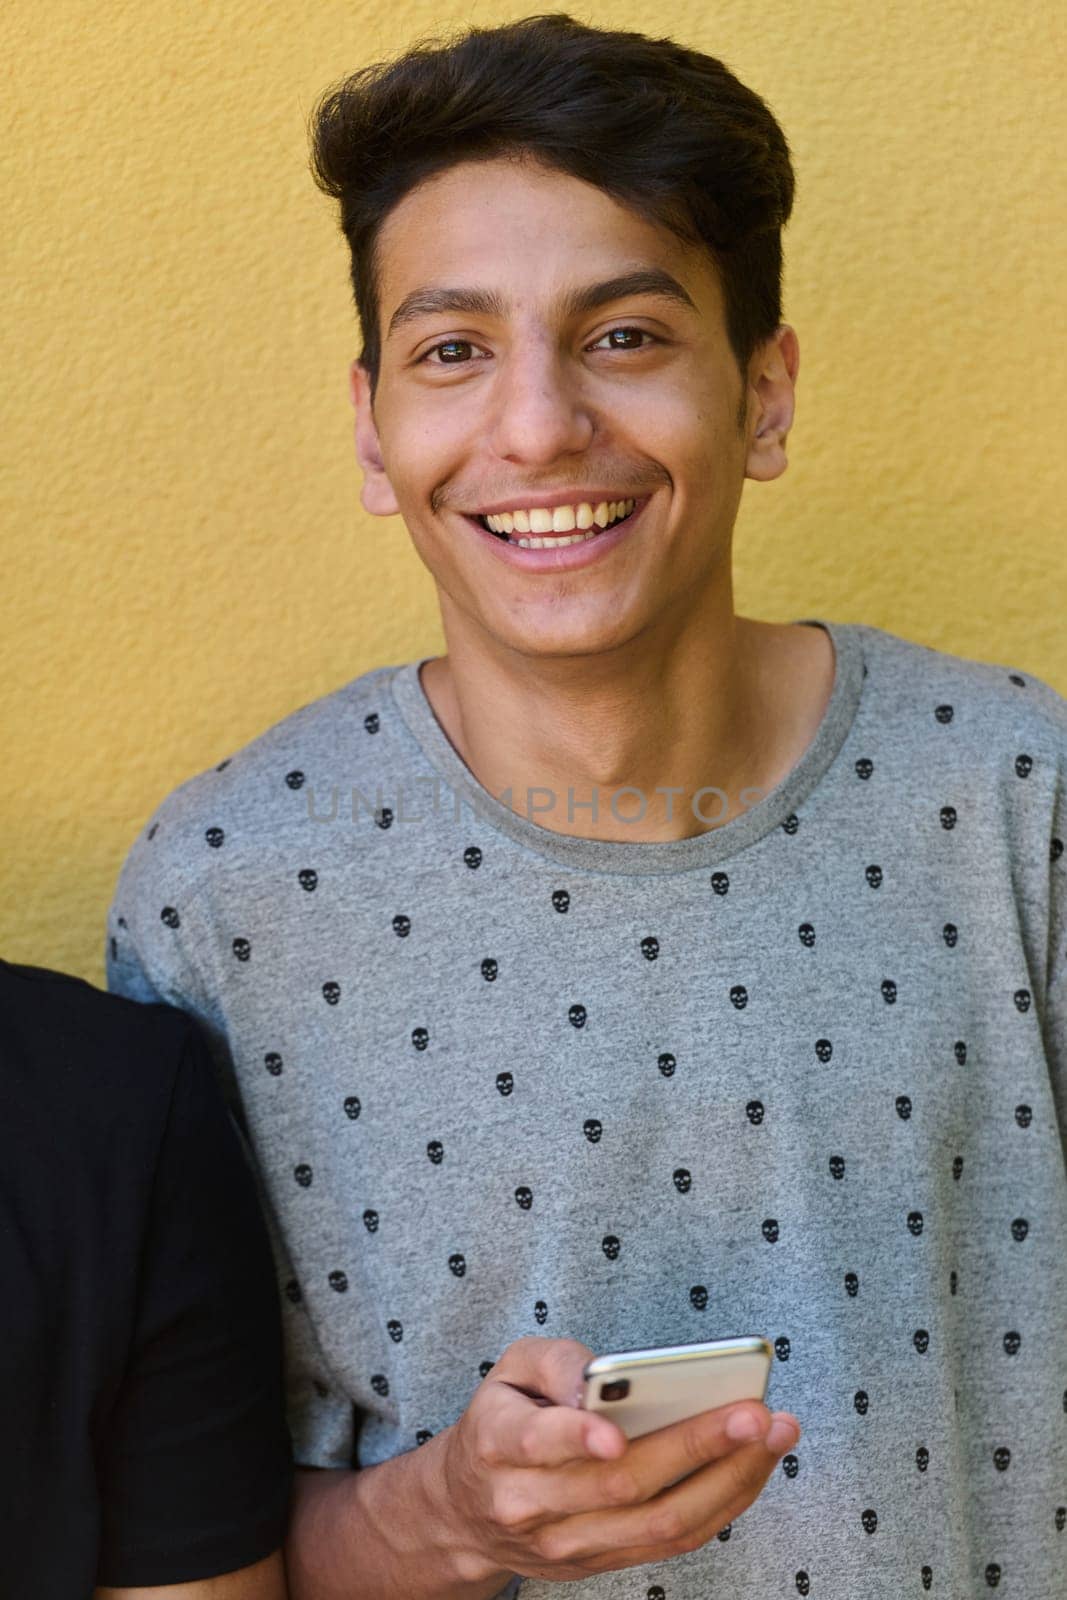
(185, 559)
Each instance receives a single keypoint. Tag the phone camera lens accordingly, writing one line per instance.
(617, 1390)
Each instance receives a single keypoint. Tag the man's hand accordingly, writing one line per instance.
(533, 1485)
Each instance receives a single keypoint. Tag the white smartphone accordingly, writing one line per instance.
(641, 1390)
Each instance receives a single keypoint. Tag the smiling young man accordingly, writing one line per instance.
(635, 973)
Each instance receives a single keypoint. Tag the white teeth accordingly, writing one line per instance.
(558, 520)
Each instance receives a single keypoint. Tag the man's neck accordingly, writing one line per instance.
(694, 736)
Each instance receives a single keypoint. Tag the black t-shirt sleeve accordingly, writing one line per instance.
(194, 1458)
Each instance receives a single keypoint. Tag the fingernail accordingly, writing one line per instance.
(743, 1426)
(783, 1435)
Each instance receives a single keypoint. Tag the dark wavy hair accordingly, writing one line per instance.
(666, 131)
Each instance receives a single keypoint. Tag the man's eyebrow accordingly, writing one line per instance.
(430, 299)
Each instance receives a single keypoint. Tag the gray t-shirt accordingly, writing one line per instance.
(803, 1076)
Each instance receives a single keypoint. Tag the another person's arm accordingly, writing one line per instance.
(263, 1581)
(193, 1459)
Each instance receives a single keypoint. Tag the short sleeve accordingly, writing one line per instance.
(194, 1461)
(1055, 1019)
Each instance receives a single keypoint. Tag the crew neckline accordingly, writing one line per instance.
(648, 856)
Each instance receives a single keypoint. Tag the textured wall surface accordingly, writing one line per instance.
(185, 559)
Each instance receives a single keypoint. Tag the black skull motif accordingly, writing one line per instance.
(292, 1292)
(1002, 1458)
(472, 856)
(903, 1107)
(401, 925)
(610, 1246)
(561, 900)
(870, 1521)
(769, 1229)
(592, 1130)
(420, 1038)
(655, 1591)
(295, 780)
(650, 948)
(1056, 850)
(1022, 999)
(384, 818)
(1023, 765)
(1019, 1229)
(943, 713)
(436, 1151)
(948, 817)
(837, 1166)
(807, 935)
(720, 883)
(505, 1082)
(489, 970)
(950, 934)
(309, 878)
(921, 1340)
(352, 1106)
(823, 1049)
(864, 768)
(790, 1466)
(302, 1174)
(915, 1223)
(782, 1348)
(698, 1297)
(992, 1575)
(852, 1285)
(961, 1052)
(873, 875)
(739, 996)
(667, 1064)
(861, 1402)
(331, 992)
(242, 949)
(1023, 1116)
(957, 1167)
(380, 1384)
(791, 823)
(922, 1458)
(338, 1281)
(370, 1221)
(524, 1197)
(214, 837)
(1061, 1518)
(273, 1063)
(540, 1313)
(170, 917)
(683, 1180)
(576, 1016)
(889, 991)
(1012, 1341)
(802, 1582)
(457, 1265)
(395, 1330)
(754, 1112)
(953, 1281)
(485, 1368)
(724, 1533)
(370, 722)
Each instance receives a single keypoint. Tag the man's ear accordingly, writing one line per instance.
(775, 369)
(377, 495)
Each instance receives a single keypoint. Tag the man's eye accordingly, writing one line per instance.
(452, 344)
